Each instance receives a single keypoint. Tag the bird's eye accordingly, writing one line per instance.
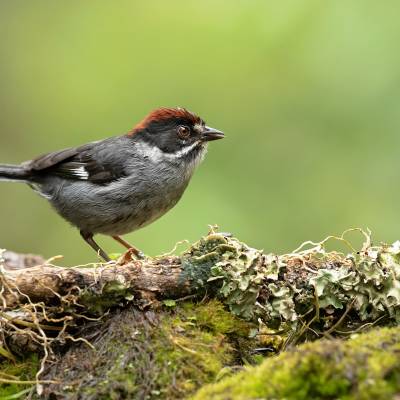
(183, 132)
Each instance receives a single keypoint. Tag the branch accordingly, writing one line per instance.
(307, 294)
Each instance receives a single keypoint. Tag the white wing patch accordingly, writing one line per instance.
(80, 172)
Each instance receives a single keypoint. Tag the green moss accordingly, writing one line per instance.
(23, 370)
(111, 294)
(214, 316)
(365, 367)
(196, 344)
(163, 355)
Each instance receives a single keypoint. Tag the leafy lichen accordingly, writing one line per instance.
(306, 294)
(364, 367)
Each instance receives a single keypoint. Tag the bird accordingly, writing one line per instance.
(122, 183)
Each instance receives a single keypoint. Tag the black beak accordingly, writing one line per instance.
(209, 134)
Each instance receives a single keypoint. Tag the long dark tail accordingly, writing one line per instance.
(13, 173)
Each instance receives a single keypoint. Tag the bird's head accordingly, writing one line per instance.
(175, 131)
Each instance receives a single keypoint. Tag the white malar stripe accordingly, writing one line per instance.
(81, 172)
(156, 155)
(184, 151)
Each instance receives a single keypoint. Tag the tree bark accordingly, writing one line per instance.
(46, 283)
(309, 292)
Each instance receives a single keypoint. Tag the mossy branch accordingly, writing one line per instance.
(307, 293)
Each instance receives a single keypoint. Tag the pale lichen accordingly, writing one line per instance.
(308, 293)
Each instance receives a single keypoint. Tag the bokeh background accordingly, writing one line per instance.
(307, 92)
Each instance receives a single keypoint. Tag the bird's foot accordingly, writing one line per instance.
(131, 255)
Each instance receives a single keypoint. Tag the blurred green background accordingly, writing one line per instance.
(307, 92)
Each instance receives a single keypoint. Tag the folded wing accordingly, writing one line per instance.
(90, 162)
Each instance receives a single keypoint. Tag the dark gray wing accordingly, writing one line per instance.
(94, 162)
(50, 160)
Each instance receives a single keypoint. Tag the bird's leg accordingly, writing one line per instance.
(133, 249)
(88, 238)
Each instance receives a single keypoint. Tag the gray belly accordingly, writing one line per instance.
(114, 209)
